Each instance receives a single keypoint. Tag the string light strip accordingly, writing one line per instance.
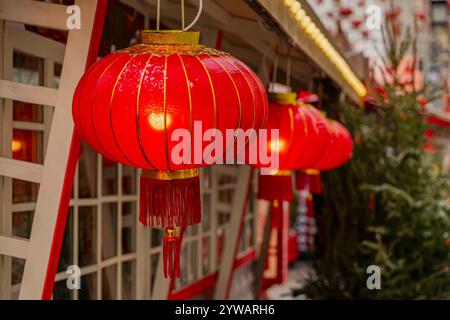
(310, 28)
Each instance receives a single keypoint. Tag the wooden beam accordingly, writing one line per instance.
(14, 247)
(36, 13)
(58, 151)
(28, 93)
(22, 170)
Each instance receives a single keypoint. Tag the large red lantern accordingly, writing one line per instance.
(285, 116)
(339, 148)
(317, 137)
(129, 105)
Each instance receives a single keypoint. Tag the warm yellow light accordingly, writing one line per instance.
(16, 145)
(300, 15)
(328, 50)
(277, 145)
(306, 22)
(158, 121)
(295, 7)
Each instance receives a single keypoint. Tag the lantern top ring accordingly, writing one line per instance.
(171, 37)
(170, 175)
(283, 98)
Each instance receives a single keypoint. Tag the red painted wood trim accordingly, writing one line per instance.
(209, 281)
(74, 153)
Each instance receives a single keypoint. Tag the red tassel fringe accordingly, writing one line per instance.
(315, 184)
(171, 256)
(277, 187)
(167, 203)
(301, 180)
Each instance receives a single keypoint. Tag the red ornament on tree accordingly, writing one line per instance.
(129, 105)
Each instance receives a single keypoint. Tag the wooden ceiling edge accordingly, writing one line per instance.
(287, 23)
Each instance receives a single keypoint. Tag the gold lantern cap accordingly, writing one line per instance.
(283, 98)
(170, 37)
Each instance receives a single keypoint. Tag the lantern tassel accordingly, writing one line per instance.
(170, 198)
(275, 187)
(171, 253)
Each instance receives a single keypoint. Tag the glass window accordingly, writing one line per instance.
(87, 172)
(109, 230)
(128, 227)
(87, 236)
(22, 222)
(129, 280)
(109, 282)
(88, 289)
(109, 177)
(129, 180)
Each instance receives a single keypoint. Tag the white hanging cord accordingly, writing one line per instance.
(199, 13)
(158, 13)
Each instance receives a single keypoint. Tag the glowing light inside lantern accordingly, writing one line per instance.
(16, 145)
(277, 145)
(156, 120)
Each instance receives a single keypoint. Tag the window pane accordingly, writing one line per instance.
(88, 289)
(155, 237)
(109, 177)
(22, 222)
(17, 270)
(109, 230)
(129, 280)
(87, 172)
(194, 260)
(24, 191)
(153, 266)
(61, 292)
(65, 258)
(128, 227)
(205, 256)
(23, 111)
(28, 69)
(206, 208)
(109, 283)
(128, 180)
(27, 146)
(87, 239)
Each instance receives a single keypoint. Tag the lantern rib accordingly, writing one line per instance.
(251, 91)
(262, 90)
(305, 127)
(165, 113)
(212, 91)
(91, 108)
(110, 112)
(239, 103)
(138, 128)
(291, 122)
(235, 89)
(190, 100)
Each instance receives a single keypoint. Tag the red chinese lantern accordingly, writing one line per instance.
(317, 137)
(284, 115)
(339, 148)
(129, 105)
